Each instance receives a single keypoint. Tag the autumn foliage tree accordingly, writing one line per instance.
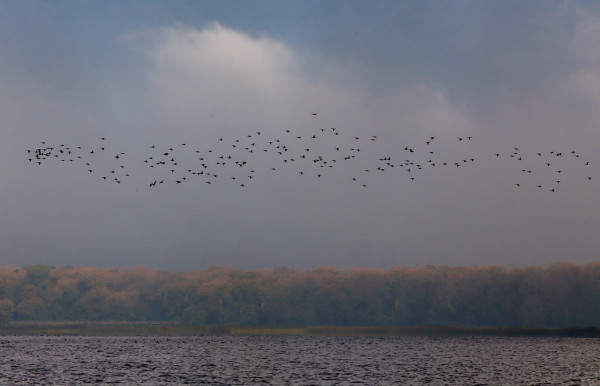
(560, 295)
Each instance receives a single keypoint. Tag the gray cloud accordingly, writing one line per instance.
(507, 79)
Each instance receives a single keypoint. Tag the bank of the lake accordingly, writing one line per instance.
(175, 329)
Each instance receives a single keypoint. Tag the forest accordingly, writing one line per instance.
(561, 295)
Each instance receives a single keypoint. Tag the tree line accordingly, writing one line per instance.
(558, 296)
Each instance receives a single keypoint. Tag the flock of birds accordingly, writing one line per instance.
(315, 155)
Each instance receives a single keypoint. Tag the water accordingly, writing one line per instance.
(299, 360)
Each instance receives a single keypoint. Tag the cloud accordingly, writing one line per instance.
(180, 84)
(226, 75)
(219, 67)
(218, 78)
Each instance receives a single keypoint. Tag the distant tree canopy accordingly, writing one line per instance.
(561, 295)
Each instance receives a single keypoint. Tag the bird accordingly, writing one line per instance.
(418, 159)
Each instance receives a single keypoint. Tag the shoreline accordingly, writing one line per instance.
(115, 328)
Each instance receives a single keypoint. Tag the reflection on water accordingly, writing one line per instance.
(299, 360)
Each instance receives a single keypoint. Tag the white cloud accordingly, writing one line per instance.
(222, 79)
(223, 73)
(217, 61)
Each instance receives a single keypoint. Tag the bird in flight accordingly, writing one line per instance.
(328, 150)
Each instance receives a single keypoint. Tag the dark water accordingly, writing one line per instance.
(298, 360)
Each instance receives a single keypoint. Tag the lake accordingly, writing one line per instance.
(299, 360)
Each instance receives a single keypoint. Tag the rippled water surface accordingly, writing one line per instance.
(246, 360)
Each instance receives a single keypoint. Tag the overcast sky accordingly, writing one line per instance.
(517, 78)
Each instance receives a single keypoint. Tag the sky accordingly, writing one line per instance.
(352, 134)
